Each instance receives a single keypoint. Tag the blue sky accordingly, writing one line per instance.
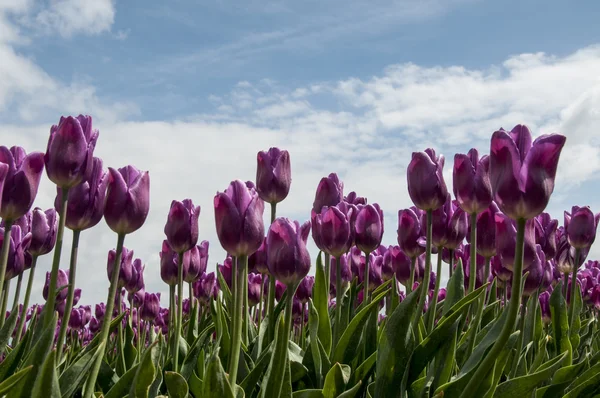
(192, 90)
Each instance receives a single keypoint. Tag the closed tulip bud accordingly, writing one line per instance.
(94, 326)
(375, 277)
(258, 260)
(205, 288)
(595, 297)
(400, 263)
(548, 276)
(426, 185)
(273, 175)
(411, 232)
(197, 260)
(151, 308)
(545, 234)
(471, 181)
(288, 257)
(304, 291)
(353, 199)
(535, 273)
(127, 199)
(486, 231)
(499, 270)
(169, 265)
(521, 173)
(125, 267)
(76, 295)
(506, 238)
(566, 254)
(44, 226)
(479, 270)
(77, 319)
(239, 219)
(226, 270)
(99, 311)
(61, 285)
(19, 244)
(21, 181)
(332, 228)
(136, 299)
(449, 225)
(182, 225)
(254, 284)
(136, 281)
(581, 226)
(346, 272)
(70, 151)
(545, 307)
(368, 228)
(330, 192)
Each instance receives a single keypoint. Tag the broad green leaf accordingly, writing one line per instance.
(321, 301)
(313, 331)
(146, 373)
(123, 386)
(216, 384)
(500, 365)
(586, 384)
(455, 289)
(576, 324)
(444, 361)
(193, 358)
(274, 378)
(73, 377)
(192, 327)
(251, 381)
(561, 380)
(96, 340)
(129, 350)
(308, 394)
(336, 380)
(286, 387)
(12, 360)
(224, 288)
(362, 373)
(176, 385)
(196, 385)
(560, 324)
(8, 328)
(7, 385)
(353, 392)
(46, 384)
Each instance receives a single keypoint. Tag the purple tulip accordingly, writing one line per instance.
(545, 234)
(288, 258)
(479, 271)
(239, 219)
(273, 175)
(136, 299)
(135, 283)
(196, 261)
(486, 231)
(21, 181)
(44, 225)
(346, 272)
(595, 297)
(304, 291)
(536, 273)
(258, 260)
(499, 270)
(368, 228)
(353, 199)
(581, 226)
(226, 270)
(449, 225)
(62, 282)
(330, 192)
(169, 265)
(521, 173)
(125, 268)
(127, 199)
(545, 307)
(566, 254)
(77, 319)
(471, 182)
(548, 276)
(205, 288)
(426, 185)
(411, 232)
(182, 225)
(19, 244)
(400, 263)
(332, 228)
(99, 311)
(94, 326)
(375, 276)
(506, 235)
(254, 284)
(151, 308)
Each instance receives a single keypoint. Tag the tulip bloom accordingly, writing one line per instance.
(168, 265)
(239, 219)
(330, 192)
(19, 244)
(368, 228)
(44, 225)
(70, 151)
(127, 199)
(205, 288)
(353, 199)
(486, 231)
(449, 225)
(506, 235)
(21, 181)
(136, 280)
(545, 307)
(521, 173)
(257, 262)
(273, 175)
(345, 273)
(426, 185)
(226, 270)
(411, 232)
(580, 226)
(545, 234)
(471, 182)
(332, 228)
(400, 263)
(196, 261)
(536, 273)
(288, 257)
(151, 307)
(182, 225)
(125, 268)
(61, 284)
(304, 291)
(254, 286)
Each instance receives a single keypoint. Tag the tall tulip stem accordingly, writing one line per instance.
(434, 299)
(427, 272)
(4, 258)
(69, 305)
(271, 292)
(179, 313)
(238, 305)
(26, 300)
(513, 312)
(573, 288)
(110, 304)
(473, 253)
(411, 281)
(338, 300)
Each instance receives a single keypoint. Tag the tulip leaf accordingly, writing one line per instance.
(157, 383)
(455, 289)
(7, 385)
(444, 361)
(251, 381)
(12, 360)
(192, 324)
(575, 325)
(74, 376)
(313, 330)
(336, 380)
(96, 340)
(125, 383)
(8, 328)
(191, 360)
(561, 380)
(348, 346)
(353, 392)
(196, 385)
(224, 288)
(46, 384)
(146, 372)
(215, 383)
(362, 373)
(560, 323)
(321, 301)
(491, 382)
(176, 385)
(308, 394)
(274, 378)
(524, 385)
(129, 351)
(586, 384)
(395, 347)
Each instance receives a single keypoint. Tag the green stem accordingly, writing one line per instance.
(473, 254)
(172, 325)
(424, 286)
(246, 323)
(71, 292)
(302, 325)
(179, 313)
(271, 293)
(411, 281)
(513, 312)
(4, 261)
(521, 327)
(110, 303)
(573, 288)
(565, 284)
(5, 293)
(338, 301)
(260, 301)
(236, 336)
(477, 320)
(366, 280)
(434, 299)
(26, 300)
(450, 269)
(120, 339)
(328, 273)
(50, 303)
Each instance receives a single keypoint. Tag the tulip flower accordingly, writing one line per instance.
(471, 182)
(99, 311)
(506, 235)
(449, 225)
(288, 258)
(353, 199)
(545, 234)
(151, 307)
(62, 282)
(44, 225)
(544, 299)
(411, 234)
(205, 288)
(368, 228)
(18, 244)
(21, 181)
(168, 264)
(255, 284)
(580, 226)
(304, 291)
(345, 273)
(239, 219)
(426, 185)
(226, 270)
(486, 231)
(330, 192)
(182, 225)
(332, 228)
(273, 175)
(400, 263)
(135, 283)
(127, 199)
(125, 267)
(197, 260)
(535, 273)
(258, 260)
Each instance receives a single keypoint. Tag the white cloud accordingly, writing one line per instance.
(68, 17)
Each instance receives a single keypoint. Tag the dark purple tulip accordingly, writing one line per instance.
(273, 175)
(581, 226)
(479, 271)
(471, 181)
(449, 225)
(545, 234)
(486, 231)
(536, 273)
(346, 272)
(368, 228)
(521, 173)
(99, 311)
(85, 206)
(254, 284)
(353, 199)
(44, 225)
(565, 253)
(279, 290)
(136, 282)
(375, 277)
(239, 219)
(125, 268)
(21, 181)
(227, 270)
(182, 225)
(595, 297)
(19, 244)
(330, 192)
(288, 258)
(387, 270)
(304, 291)
(76, 295)
(197, 260)
(77, 319)
(411, 232)
(506, 236)
(426, 185)
(94, 326)
(499, 271)
(70, 151)
(258, 260)
(136, 299)
(205, 288)
(548, 276)
(545, 307)
(151, 308)
(169, 265)
(357, 261)
(332, 228)
(61, 284)
(399, 262)
(127, 199)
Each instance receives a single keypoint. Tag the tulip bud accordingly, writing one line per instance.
(196, 261)
(449, 225)
(506, 237)
(499, 270)
(288, 258)
(169, 265)
(99, 311)
(353, 199)
(346, 272)
(471, 182)
(125, 267)
(330, 192)
(581, 226)
(44, 226)
(304, 291)
(62, 282)
(536, 273)
(151, 308)
(273, 175)
(136, 281)
(21, 181)
(258, 260)
(486, 231)
(19, 244)
(205, 288)
(127, 199)
(411, 232)
(400, 264)
(521, 173)
(332, 228)
(254, 284)
(545, 307)
(426, 185)
(182, 225)
(368, 228)
(545, 234)
(226, 270)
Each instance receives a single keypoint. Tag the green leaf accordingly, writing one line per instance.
(561, 380)
(176, 385)
(491, 383)
(576, 324)
(12, 360)
(192, 327)
(347, 347)
(146, 373)
(96, 340)
(336, 380)
(455, 289)
(129, 351)
(560, 323)
(353, 392)
(123, 386)
(321, 301)
(196, 385)
(524, 385)
(216, 384)
(74, 376)
(362, 373)
(250, 382)
(444, 361)
(273, 380)
(8, 328)
(585, 384)
(224, 288)
(7, 385)
(46, 384)
(193, 358)
(313, 330)
(308, 394)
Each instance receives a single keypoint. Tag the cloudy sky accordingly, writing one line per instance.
(192, 92)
